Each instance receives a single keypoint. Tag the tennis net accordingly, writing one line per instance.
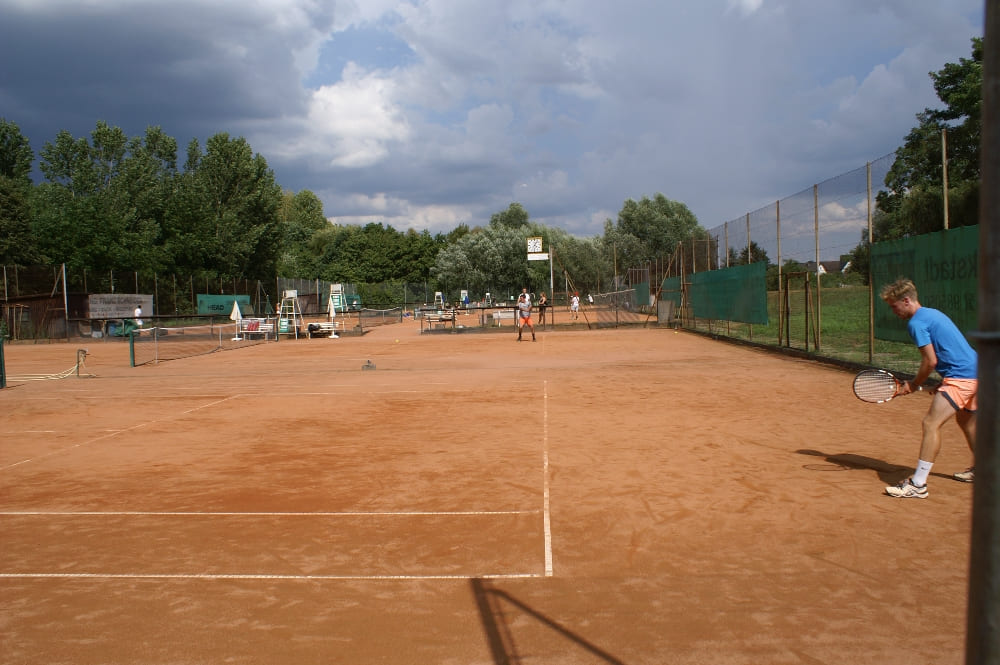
(370, 318)
(153, 345)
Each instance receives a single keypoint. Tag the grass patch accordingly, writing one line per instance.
(843, 320)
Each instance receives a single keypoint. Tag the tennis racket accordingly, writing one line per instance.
(876, 386)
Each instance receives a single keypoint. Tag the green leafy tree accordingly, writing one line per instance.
(301, 216)
(914, 202)
(17, 245)
(67, 215)
(103, 205)
(227, 219)
(751, 254)
(492, 259)
(514, 217)
(659, 225)
(582, 264)
(373, 253)
(16, 155)
(137, 198)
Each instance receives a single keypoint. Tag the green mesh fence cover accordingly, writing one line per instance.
(731, 294)
(642, 293)
(943, 266)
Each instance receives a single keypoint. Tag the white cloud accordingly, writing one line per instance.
(352, 123)
(744, 7)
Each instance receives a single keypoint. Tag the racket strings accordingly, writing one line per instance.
(875, 386)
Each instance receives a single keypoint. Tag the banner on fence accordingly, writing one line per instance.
(944, 267)
(738, 293)
(223, 305)
(118, 305)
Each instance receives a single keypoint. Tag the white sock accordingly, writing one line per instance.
(923, 470)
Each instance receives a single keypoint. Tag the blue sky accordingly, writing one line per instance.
(427, 114)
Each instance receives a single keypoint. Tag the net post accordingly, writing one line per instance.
(131, 348)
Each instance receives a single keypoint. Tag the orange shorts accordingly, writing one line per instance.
(526, 321)
(961, 393)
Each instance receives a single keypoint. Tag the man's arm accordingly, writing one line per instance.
(928, 361)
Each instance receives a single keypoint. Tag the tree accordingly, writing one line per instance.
(514, 217)
(301, 216)
(226, 219)
(582, 263)
(16, 155)
(914, 202)
(647, 230)
(753, 252)
(491, 259)
(17, 243)
(104, 202)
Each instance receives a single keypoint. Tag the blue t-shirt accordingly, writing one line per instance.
(955, 358)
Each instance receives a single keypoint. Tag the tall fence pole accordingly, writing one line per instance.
(65, 300)
(871, 287)
(781, 299)
(983, 632)
(819, 280)
(944, 173)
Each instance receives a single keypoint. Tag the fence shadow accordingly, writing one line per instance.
(491, 602)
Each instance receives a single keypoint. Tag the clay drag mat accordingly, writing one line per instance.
(615, 496)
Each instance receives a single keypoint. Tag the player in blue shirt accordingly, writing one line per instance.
(943, 348)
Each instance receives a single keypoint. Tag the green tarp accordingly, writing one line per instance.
(223, 305)
(944, 267)
(738, 293)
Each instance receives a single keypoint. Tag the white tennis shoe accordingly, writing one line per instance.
(965, 476)
(907, 490)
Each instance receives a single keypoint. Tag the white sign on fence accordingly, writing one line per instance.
(118, 305)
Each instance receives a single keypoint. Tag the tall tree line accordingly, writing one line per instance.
(110, 202)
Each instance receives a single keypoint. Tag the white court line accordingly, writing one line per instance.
(141, 513)
(546, 517)
(238, 576)
(113, 433)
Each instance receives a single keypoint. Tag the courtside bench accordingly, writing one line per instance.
(503, 315)
(439, 319)
(325, 328)
(252, 327)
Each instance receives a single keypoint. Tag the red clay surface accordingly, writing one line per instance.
(617, 496)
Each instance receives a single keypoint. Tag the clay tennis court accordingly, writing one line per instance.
(618, 496)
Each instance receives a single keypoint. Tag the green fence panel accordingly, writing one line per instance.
(670, 290)
(642, 294)
(223, 305)
(944, 267)
(738, 293)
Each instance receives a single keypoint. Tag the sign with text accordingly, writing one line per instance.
(223, 305)
(118, 305)
(944, 268)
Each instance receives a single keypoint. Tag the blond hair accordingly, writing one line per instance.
(901, 288)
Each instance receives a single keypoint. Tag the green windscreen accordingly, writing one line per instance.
(738, 293)
(642, 294)
(943, 266)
